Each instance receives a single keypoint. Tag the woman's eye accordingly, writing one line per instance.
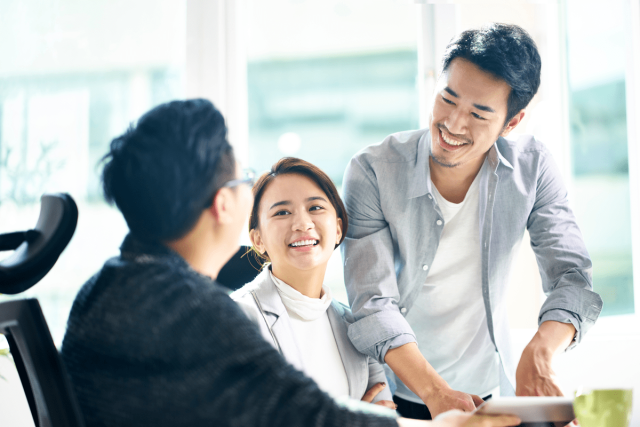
(315, 208)
(448, 101)
(281, 213)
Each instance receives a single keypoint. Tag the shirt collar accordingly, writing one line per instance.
(420, 175)
(495, 157)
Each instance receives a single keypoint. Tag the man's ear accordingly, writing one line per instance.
(256, 240)
(221, 208)
(512, 123)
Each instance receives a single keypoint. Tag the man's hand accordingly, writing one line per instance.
(373, 392)
(535, 376)
(443, 400)
(416, 373)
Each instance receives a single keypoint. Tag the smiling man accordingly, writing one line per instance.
(436, 217)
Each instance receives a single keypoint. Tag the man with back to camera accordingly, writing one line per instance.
(435, 220)
(152, 340)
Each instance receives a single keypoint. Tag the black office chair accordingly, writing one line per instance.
(42, 374)
(242, 268)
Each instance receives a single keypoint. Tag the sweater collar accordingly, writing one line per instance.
(142, 251)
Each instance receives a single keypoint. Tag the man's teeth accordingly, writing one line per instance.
(449, 140)
(304, 243)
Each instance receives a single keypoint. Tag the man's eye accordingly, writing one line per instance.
(478, 116)
(448, 101)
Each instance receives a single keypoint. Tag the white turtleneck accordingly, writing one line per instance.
(316, 342)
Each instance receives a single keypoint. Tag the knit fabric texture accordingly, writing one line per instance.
(151, 342)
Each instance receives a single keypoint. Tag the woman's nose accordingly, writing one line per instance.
(302, 222)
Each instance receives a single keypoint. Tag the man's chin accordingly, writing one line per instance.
(441, 161)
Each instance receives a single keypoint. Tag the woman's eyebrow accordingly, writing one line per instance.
(288, 202)
(284, 202)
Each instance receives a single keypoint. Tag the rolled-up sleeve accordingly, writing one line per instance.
(370, 275)
(563, 261)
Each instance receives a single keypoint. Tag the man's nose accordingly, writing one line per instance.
(456, 122)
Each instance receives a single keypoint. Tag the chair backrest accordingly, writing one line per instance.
(37, 250)
(43, 376)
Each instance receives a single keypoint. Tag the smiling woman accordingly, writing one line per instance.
(297, 221)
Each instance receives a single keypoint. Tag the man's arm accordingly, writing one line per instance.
(416, 373)
(380, 330)
(571, 307)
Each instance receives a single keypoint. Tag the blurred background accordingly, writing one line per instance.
(320, 80)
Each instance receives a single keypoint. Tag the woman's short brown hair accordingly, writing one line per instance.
(295, 166)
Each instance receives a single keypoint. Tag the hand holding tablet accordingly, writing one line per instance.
(531, 409)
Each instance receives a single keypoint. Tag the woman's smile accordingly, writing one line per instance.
(304, 244)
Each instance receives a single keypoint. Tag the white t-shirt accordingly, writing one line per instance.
(449, 317)
(314, 336)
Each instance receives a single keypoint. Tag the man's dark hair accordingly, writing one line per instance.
(163, 172)
(507, 52)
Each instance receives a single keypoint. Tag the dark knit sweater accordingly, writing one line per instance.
(151, 342)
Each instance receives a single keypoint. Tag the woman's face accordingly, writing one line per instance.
(297, 225)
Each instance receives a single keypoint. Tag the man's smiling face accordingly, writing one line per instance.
(468, 115)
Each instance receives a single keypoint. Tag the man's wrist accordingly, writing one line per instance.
(539, 347)
(433, 387)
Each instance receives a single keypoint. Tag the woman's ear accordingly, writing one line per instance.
(256, 240)
(338, 230)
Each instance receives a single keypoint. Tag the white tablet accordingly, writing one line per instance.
(530, 409)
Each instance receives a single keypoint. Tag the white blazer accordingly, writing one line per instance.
(362, 371)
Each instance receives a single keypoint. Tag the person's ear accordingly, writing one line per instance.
(515, 121)
(222, 206)
(256, 240)
(338, 230)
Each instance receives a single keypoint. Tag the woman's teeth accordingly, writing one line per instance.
(449, 140)
(304, 243)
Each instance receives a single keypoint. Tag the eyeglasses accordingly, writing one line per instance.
(249, 177)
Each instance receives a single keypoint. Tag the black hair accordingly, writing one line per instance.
(163, 172)
(506, 51)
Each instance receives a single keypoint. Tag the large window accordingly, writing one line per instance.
(75, 75)
(597, 63)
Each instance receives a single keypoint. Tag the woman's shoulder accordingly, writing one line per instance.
(342, 310)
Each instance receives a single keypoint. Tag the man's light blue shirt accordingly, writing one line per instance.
(395, 227)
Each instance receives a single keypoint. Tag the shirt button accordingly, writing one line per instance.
(403, 310)
(439, 222)
(429, 196)
(425, 267)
